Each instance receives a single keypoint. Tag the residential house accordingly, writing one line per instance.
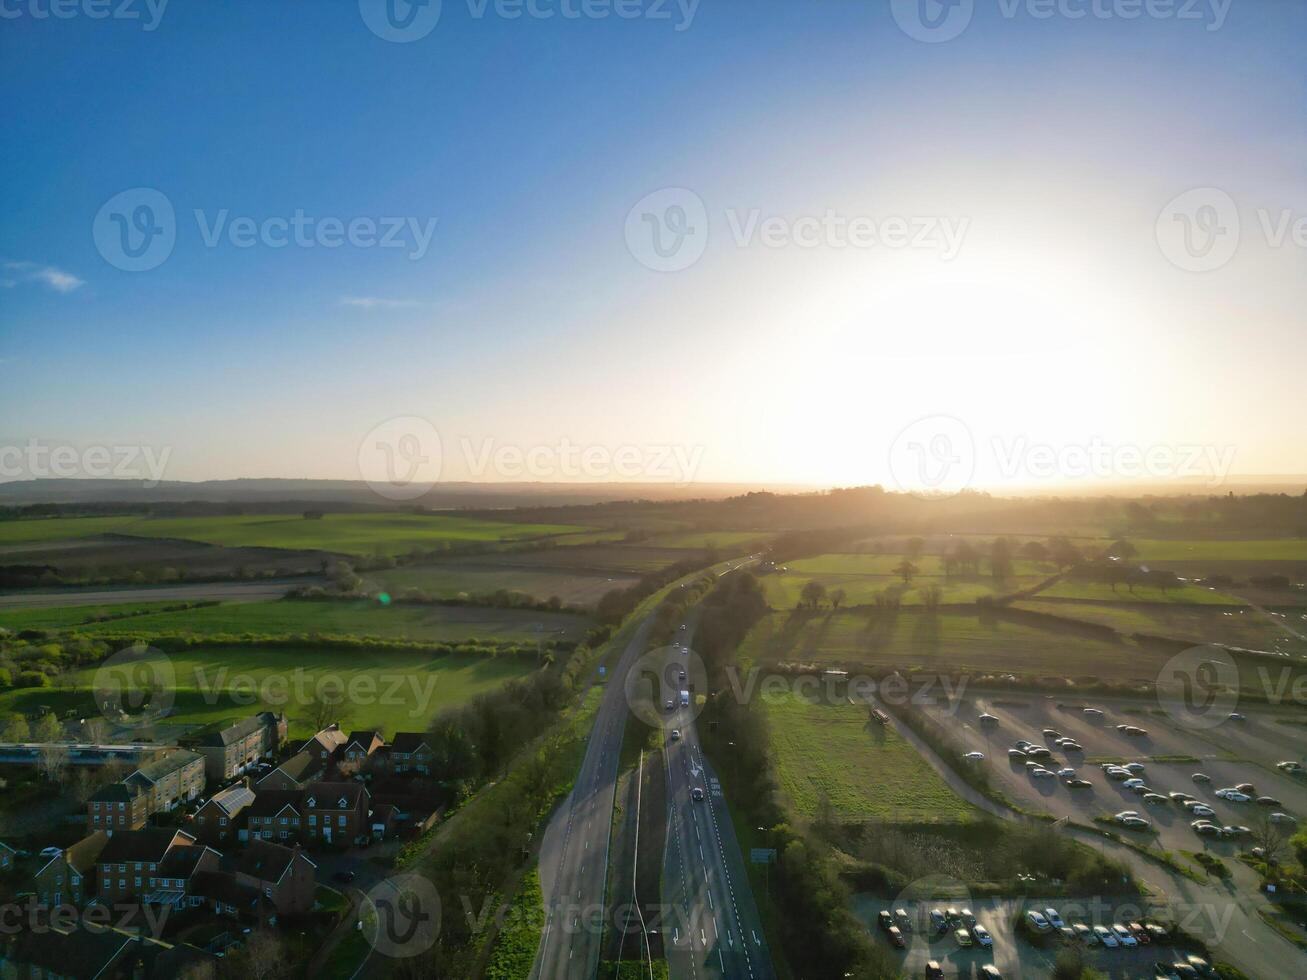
(118, 807)
(222, 892)
(284, 875)
(176, 778)
(358, 748)
(216, 822)
(335, 813)
(295, 773)
(408, 752)
(68, 878)
(131, 859)
(275, 815)
(78, 954)
(171, 883)
(325, 746)
(229, 751)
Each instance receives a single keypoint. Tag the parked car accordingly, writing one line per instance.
(1084, 933)
(676, 734)
(1248, 788)
(1154, 799)
(51, 852)
(1202, 811)
(884, 919)
(1201, 777)
(1015, 754)
(1041, 773)
(1052, 733)
(1232, 795)
(1052, 916)
(1135, 767)
(1123, 935)
(1066, 772)
(963, 937)
(937, 921)
(967, 917)
(1070, 745)
(1078, 783)
(903, 920)
(1282, 818)
(1268, 801)
(1038, 922)
(975, 757)
(1133, 782)
(1205, 828)
(1290, 766)
(934, 971)
(987, 719)
(696, 794)
(896, 937)
(1106, 937)
(1178, 797)
(1139, 932)
(982, 936)
(990, 972)
(1092, 712)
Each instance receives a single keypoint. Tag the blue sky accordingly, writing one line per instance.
(1054, 141)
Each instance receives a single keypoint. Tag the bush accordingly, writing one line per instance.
(33, 678)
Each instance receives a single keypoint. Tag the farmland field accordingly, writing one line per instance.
(470, 578)
(1184, 594)
(397, 691)
(418, 623)
(1276, 549)
(712, 540)
(866, 771)
(1237, 626)
(62, 617)
(863, 576)
(57, 529)
(360, 534)
(945, 640)
(622, 558)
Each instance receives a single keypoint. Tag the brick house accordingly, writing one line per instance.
(225, 895)
(284, 875)
(216, 822)
(275, 815)
(170, 885)
(117, 807)
(55, 954)
(358, 748)
(229, 751)
(295, 773)
(325, 746)
(131, 858)
(408, 752)
(335, 813)
(177, 777)
(68, 878)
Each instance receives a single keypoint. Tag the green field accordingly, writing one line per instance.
(712, 540)
(455, 579)
(397, 691)
(591, 559)
(864, 576)
(866, 771)
(57, 529)
(943, 641)
(361, 618)
(1185, 594)
(1237, 626)
(1276, 549)
(62, 617)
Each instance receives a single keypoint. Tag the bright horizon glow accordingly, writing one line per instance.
(1059, 325)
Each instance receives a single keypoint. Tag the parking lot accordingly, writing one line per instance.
(1013, 956)
(1233, 752)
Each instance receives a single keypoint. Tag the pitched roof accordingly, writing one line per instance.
(329, 738)
(408, 741)
(238, 730)
(365, 738)
(327, 794)
(223, 886)
(81, 856)
(117, 793)
(233, 799)
(6, 847)
(80, 953)
(264, 860)
(169, 764)
(298, 767)
(180, 862)
(147, 844)
(270, 802)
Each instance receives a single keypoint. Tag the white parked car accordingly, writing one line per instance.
(1202, 811)
(1041, 773)
(1066, 772)
(1135, 823)
(1052, 916)
(982, 936)
(975, 757)
(1132, 783)
(1106, 937)
(1135, 767)
(1282, 818)
(1233, 795)
(1123, 935)
(1038, 922)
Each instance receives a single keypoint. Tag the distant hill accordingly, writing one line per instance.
(355, 494)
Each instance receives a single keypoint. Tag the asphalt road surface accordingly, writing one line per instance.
(713, 929)
(574, 852)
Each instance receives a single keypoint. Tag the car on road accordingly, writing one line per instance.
(1106, 937)
(896, 937)
(676, 734)
(963, 937)
(668, 706)
(982, 936)
(1038, 922)
(1052, 916)
(975, 757)
(1236, 716)
(696, 794)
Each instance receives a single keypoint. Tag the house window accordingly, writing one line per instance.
(340, 821)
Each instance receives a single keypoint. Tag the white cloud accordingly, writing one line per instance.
(379, 303)
(57, 279)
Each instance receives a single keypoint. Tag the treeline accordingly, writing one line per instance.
(617, 604)
(499, 599)
(817, 928)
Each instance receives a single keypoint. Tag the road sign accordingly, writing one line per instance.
(762, 855)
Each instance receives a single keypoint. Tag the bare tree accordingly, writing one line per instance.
(52, 762)
(1270, 837)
